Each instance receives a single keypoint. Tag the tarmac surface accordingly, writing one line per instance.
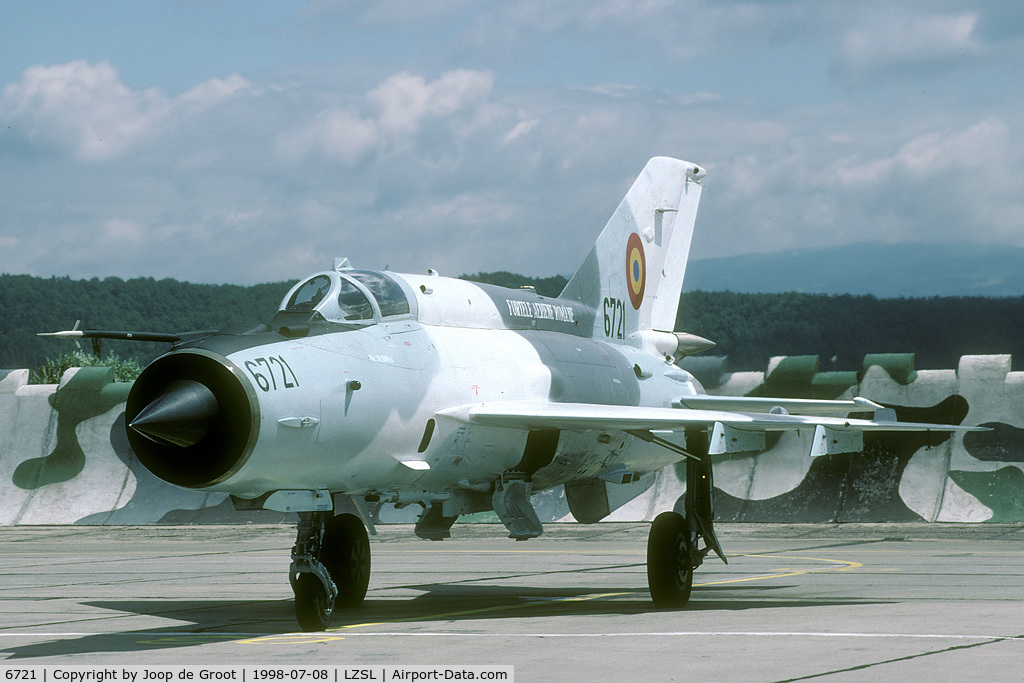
(795, 602)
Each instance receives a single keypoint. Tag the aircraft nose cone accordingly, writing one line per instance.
(180, 416)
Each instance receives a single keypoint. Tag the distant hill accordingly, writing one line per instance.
(882, 270)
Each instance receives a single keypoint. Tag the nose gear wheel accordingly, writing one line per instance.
(330, 567)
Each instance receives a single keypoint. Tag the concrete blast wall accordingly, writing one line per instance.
(977, 477)
(64, 458)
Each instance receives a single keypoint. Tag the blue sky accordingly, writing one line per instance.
(253, 141)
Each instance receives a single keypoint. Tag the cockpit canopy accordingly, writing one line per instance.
(351, 296)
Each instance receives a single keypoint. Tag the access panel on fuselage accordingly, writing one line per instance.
(585, 371)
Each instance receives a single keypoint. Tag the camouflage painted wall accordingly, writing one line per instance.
(64, 458)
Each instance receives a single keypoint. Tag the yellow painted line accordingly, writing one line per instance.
(848, 564)
(842, 566)
(292, 639)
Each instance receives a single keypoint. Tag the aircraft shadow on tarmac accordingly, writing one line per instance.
(216, 621)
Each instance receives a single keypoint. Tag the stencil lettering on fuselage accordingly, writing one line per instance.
(537, 310)
(527, 310)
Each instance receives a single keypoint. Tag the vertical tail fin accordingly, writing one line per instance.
(634, 274)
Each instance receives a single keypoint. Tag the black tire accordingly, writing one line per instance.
(312, 608)
(669, 568)
(346, 555)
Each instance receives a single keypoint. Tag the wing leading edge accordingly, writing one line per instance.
(731, 431)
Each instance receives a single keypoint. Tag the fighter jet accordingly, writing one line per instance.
(372, 387)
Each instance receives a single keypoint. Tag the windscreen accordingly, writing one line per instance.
(309, 294)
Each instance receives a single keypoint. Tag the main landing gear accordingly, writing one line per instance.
(331, 559)
(330, 567)
(673, 546)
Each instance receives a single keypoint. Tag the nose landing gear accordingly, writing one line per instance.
(330, 567)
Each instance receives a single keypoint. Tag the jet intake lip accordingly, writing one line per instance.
(192, 418)
(180, 416)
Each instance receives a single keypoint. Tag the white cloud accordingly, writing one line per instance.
(951, 154)
(210, 93)
(86, 109)
(120, 231)
(398, 107)
(404, 100)
(520, 129)
(897, 45)
(958, 154)
(335, 134)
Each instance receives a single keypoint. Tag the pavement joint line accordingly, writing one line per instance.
(147, 558)
(504, 577)
(119, 582)
(479, 610)
(467, 634)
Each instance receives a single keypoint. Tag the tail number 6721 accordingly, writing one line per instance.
(276, 368)
(614, 317)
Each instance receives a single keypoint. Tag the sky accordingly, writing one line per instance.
(251, 141)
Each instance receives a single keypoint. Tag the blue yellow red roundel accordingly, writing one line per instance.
(636, 270)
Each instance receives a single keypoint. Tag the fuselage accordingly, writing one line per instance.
(343, 388)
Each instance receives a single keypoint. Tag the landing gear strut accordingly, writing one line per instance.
(330, 567)
(673, 546)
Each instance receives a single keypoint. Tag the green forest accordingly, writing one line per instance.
(749, 328)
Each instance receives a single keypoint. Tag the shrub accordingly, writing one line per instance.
(125, 370)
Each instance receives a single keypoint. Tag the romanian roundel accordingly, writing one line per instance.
(636, 270)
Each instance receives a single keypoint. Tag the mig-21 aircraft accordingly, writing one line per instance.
(372, 387)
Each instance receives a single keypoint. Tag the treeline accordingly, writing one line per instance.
(748, 328)
(33, 304)
(545, 286)
(751, 328)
